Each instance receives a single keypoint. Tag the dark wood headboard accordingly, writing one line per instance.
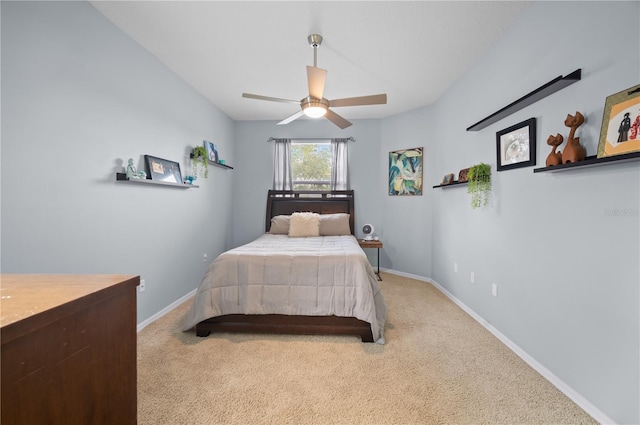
(286, 202)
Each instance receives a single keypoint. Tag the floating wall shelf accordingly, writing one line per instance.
(122, 177)
(541, 92)
(218, 164)
(221, 165)
(454, 183)
(592, 161)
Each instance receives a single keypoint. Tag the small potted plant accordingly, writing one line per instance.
(479, 185)
(200, 161)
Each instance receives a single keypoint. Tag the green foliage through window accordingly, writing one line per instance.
(311, 166)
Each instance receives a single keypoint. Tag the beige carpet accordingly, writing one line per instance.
(438, 367)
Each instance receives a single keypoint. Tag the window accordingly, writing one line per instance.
(311, 165)
(306, 165)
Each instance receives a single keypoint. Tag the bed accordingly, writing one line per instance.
(294, 285)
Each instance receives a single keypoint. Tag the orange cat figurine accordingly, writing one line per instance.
(574, 151)
(554, 158)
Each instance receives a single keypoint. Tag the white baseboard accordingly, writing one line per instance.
(578, 399)
(165, 310)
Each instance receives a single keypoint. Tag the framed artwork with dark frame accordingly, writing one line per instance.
(620, 132)
(212, 151)
(516, 145)
(163, 170)
(405, 172)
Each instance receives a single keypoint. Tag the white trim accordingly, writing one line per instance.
(164, 311)
(585, 404)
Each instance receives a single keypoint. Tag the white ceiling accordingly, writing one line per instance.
(411, 50)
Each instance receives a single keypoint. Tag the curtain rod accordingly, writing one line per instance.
(351, 139)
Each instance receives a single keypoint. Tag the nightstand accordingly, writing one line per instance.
(372, 244)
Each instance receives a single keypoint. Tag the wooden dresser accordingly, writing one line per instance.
(68, 349)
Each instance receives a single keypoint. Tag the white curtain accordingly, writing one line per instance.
(282, 165)
(339, 160)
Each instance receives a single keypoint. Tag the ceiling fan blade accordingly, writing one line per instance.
(316, 78)
(376, 99)
(291, 118)
(273, 99)
(337, 119)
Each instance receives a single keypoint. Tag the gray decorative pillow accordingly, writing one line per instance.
(334, 224)
(280, 225)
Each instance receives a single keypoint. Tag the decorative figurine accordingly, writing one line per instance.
(131, 170)
(132, 173)
(190, 179)
(574, 151)
(554, 158)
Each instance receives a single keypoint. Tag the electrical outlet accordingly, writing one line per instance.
(473, 277)
(455, 267)
(204, 258)
(494, 289)
(141, 287)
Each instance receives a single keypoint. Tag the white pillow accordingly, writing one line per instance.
(334, 224)
(304, 224)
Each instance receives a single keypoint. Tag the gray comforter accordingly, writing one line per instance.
(276, 274)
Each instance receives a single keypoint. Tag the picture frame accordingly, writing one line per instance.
(463, 175)
(212, 151)
(620, 131)
(447, 179)
(516, 146)
(405, 172)
(163, 170)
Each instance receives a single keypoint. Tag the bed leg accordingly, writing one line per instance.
(202, 332)
(367, 337)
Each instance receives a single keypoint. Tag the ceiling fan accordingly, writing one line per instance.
(315, 105)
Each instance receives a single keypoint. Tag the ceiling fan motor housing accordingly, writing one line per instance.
(313, 107)
(315, 40)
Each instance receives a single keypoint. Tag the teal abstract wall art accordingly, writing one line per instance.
(405, 172)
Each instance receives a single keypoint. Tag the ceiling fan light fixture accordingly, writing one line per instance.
(314, 108)
(315, 111)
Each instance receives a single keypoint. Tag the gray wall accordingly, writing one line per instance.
(562, 247)
(79, 98)
(407, 220)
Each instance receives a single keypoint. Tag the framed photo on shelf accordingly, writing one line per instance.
(620, 132)
(212, 151)
(516, 145)
(163, 170)
(447, 179)
(405, 172)
(463, 175)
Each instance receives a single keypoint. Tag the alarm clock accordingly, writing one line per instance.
(368, 229)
